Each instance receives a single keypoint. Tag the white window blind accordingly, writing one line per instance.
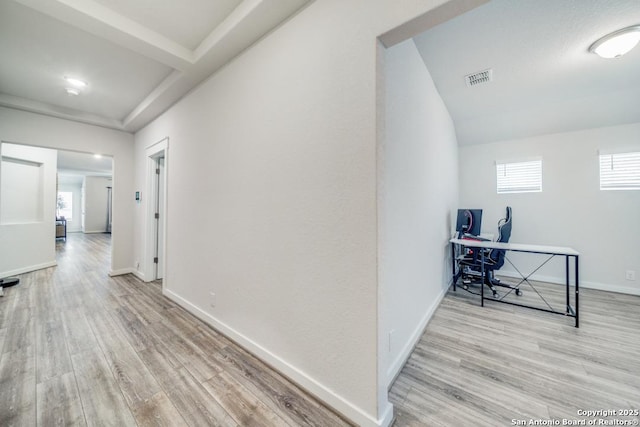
(519, 177)
(620, 171)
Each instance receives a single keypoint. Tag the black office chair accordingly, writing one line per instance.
(493, 260)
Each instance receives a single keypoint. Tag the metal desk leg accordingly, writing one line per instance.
(481, 277)
(453, 265)
(577, 292)
(566, 281)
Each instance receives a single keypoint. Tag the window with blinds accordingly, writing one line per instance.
(519, 177)
(620, 171)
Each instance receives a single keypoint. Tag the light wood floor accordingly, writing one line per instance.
(80, 348)
(488, 366)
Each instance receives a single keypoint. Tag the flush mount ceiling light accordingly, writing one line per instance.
(97, 156)
(618, 43)
(72, 91)
(75, 82)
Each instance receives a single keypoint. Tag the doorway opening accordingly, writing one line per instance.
(85, 187)
(61, 196)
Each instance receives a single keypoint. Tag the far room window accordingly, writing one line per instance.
(65, 205)
(620, 171)
(519, 177)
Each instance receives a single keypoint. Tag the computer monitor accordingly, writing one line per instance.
(469, 222)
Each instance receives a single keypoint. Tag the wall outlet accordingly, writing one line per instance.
(212, 299)
(631, 275)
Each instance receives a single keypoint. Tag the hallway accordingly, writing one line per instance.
(81, 348)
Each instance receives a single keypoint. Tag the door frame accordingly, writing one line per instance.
(152, 153)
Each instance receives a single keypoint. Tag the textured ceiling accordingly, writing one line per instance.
(44, 50)
(79, 164)
(139, 57)
(187, 22)
(544, 78)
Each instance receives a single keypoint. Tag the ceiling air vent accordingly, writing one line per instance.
(479, 78)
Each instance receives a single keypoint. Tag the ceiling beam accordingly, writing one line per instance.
(245, 25)
(430, 19)
(24, 104)
(103, 22)
(248, 23)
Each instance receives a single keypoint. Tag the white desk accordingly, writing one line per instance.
(519, 247)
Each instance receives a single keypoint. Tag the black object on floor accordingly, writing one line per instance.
(8, 282)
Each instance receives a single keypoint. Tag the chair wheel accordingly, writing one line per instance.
(518, 292)
(465, 287)
(495, 293)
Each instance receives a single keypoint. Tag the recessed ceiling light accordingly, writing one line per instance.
(97, 156)
(618, 43)
(72, 91)
(75, 82)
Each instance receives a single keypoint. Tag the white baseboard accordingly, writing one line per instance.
(405, 353)
(28, 269)
(387, 415)
(138, 274)
(121, 271)
(337, 402)
(631, 290)
(611, 288)
(95, 232)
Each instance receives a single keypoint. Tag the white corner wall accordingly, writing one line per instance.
(418, 185)
(570, 211)
(28, 208)
(272, 199)
(95, 203)
(34, 129)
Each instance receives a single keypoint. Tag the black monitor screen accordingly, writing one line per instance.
(469, 221)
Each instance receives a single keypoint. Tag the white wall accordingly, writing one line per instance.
(418, 184)
(43, 131)
(272, 200)
(571, 210)
(95, 203)
(22, 190)
(27, 202)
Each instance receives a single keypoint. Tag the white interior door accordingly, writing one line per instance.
(160, 217)
(155, 253)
